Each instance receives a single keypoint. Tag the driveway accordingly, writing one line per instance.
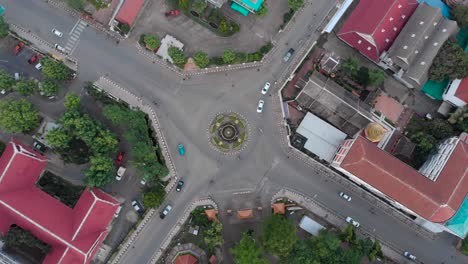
(254, 32)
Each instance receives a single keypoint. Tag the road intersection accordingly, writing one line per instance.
(185, 107)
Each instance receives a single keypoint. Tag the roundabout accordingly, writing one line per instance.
(228, 132)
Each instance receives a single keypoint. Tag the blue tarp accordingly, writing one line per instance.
(239, 8)
(438, 4)
(459, 223)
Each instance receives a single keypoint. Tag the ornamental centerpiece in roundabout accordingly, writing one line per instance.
(228, 132)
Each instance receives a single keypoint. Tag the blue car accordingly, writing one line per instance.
(181, 149)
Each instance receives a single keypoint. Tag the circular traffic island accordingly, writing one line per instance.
(228, 132)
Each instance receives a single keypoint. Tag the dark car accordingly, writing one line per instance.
(35, 58)
(120, 158)
(165, 211)
(180, 185)
(138, 207)
(39, 147)
(288, 55)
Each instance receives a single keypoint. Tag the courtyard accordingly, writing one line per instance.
(254, 32)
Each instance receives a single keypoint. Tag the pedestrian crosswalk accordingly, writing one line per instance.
(75, 36)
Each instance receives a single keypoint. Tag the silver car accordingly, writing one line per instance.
(352, 221)
(57, 33)
(345, 196)
(288, 55)
(260, 106)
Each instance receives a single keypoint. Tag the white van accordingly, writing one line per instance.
(120, 173)
(59, 48)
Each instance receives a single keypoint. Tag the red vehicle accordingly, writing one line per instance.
(172, 13)
(120, 158)
(35, 58)
(18, 48)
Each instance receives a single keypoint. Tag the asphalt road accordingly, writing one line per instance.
(185, 109)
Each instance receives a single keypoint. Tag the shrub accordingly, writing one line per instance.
(217, 61)
(151, 41)
(229, 56)
(295, 4)
(263, 11)
(49, 87)
(26, 88)
(224, 26)
(177, 56)
(199, 6)
(124, 28)
(76, 4)
(4, 28)
(201, 59)
(266, 48)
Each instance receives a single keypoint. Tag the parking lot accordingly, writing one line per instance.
(17, 63)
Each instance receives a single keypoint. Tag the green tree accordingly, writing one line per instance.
(263, 11)
(58, 138)
(152, 41)
(213, 236)
(4, 27)
(224, 26)
(7, 82)
(348, 233)
(154, 196)
(100, 173)
(199, 6)
(177, 56)
(55, 70)
(76, 4)
(201, 59)
(117, 114)
(199, 217)
(451, 62)
(295, 4)
(362, 76)
(460, 14)
(376, 251)
(247, 251)
(72, 102)
(440, 129)
(105, 142)
(18, 116)
(459, 119)
(278, 235)
(124, 28)
(184, 4)
(376, 77)
(350, 66)
(26, 87)
(229, 56)
(50, 87)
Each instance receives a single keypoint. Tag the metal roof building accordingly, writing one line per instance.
(322, 138)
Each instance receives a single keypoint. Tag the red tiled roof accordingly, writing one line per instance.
(129, 11)
(388, 106)
(186, 259)
(374, 25)
(436, 201)
(462, 90)
(74, 234)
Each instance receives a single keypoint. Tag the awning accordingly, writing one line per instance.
(279, 208)
(245, 214)
(186, 259)
(434, 89)
(244, 11)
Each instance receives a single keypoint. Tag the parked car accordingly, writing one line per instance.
(143, 182)
(165, 211)
(288, 55)
(138, 207)
(120, 173)
(181, 148)
(118, 212)
(18, 48)
(35, 58)
(59, 48)
(180, 185)
(39, 66)
(345, 196)
(260, 106)
(120, 157)
(17, 76)
(39, 147)
(408, 255)
(57, 33)
(265, 88)
(352, 221)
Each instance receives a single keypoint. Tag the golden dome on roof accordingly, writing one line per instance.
(375, 132)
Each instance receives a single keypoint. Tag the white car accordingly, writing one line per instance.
(120, 173)
(352, 221)
(118, 212)
(138, 207)
(60, 48)
(57, 33)
(265, 88)
(38, 66)
(409, 255)
(345, 196)
(142, 182)
(260, 106)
